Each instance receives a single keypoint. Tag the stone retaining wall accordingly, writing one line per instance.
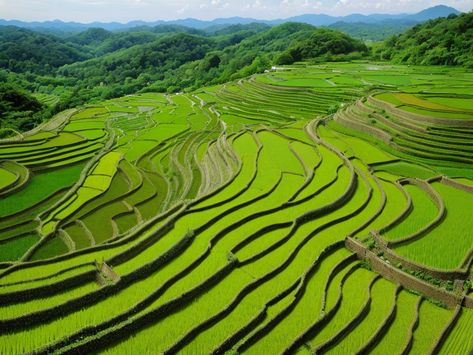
(394, 274)
(395, 258)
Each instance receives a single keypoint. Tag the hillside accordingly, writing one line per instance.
(239, 50)
(373, 32)
(232, 187)
(22, 50)
(447, 41)
(245, 218)
(18, 109)
(164, 64)
(160, 59)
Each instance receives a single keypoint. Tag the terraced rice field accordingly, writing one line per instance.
(217, 220)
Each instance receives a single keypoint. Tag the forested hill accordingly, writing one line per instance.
(18, 109)
(446, 41)
(23, 50)
(179, 61)
(98, 64)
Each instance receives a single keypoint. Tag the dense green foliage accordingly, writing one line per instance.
(372, 32)
(18, 109)
(323, 44)
(136, 67)
(214, 218)
(98, 64)
(445, 41)
(178, 61)
(24, 51)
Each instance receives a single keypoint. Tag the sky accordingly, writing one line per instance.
(151, 10)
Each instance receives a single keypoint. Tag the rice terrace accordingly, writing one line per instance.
(316, 207)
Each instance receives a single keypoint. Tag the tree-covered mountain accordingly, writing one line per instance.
(323, 43)
(179, 61)
(92, 36)
(445, 41)
(312, 19)
(22, 50)
(98, 64)
(373, 32)
(131, 69)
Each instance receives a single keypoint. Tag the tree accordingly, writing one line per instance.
(212, 61)
(285, 58)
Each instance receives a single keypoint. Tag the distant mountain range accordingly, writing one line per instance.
(312, 19)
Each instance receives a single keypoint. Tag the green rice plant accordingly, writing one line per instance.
(460, 340)
(80, 157)
(182, 258)
(94, 185)
(108, 164)
(383, 296)
(324, 175)
(307, 309)
(46, 270)
(397, 335)
(465, 181)
(256, 299)
(352, 146)
(432, 321)
(246, 148)
(423, 212)
(92, 134)
(84, 125)
(286, 327)
(438, 114)
(406, 169)
(51, 248)
(126, 222)
(63, 140)
(396, 204)
(252, 271)
(89, 113)
(40, 187)
(63, 157)
(290, 214)
(101, 223)
(452, 102)
(19, 229)
(49, 279)
(7, 178)
(14, 249)
(118, 188)
(156, 193)
(448, 244)
(34, 305)
(199, 219)
(386, 79)
(79, 235)
(376, 205)
(355, 293)
(172, 149)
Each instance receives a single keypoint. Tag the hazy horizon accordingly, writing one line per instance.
(86, 11)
